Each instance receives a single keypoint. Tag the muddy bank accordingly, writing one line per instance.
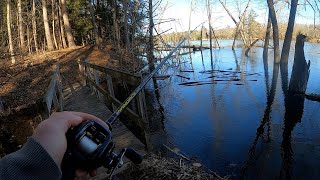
(157, 167)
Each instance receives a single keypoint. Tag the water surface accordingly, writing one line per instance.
(246, 128)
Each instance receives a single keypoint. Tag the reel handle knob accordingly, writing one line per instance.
(133, 155)
(68, 170)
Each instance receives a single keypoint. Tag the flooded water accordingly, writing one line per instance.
(236, 119)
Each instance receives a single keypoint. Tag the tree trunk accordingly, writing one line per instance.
(289, 32)
(21, 29)
(267, 39)
(201, 37)
(151, 26)
(215, 37)
(235, 22)
(28, 40)
(46, 25)
(250, 46)
(95, 28)
(189, 27)
(126, 32)
(34, 25)
(62, 35)
(9, 32)
(115, 23)
(238, 28)
(301, 69)
(275, 29)
(53, 24)
(134, 22)
(210, 32)
(67, 24)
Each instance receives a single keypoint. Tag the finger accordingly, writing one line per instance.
(72, 121)
(86, 116)
(81, 173)
(93, 173)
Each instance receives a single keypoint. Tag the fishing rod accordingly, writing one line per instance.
(123, 106)
(90, 144)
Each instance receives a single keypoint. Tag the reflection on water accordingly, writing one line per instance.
(250, 128)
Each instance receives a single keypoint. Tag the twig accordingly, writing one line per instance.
(179, 154)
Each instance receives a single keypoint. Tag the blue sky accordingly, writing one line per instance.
(180, 9)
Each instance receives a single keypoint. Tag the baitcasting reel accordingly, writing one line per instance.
(90, 146)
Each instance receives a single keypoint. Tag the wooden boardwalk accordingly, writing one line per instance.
(84, 100)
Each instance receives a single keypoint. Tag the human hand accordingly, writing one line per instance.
(51, 134)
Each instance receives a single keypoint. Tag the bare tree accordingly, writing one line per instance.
(235, 21)
(190, 12)
(46, 25)
(9, 31)
(126, 32)
(21, 29)
(116, 32)
(67, 24)
(267, 39)
(239, 27)
(151, 26)
(275, 29)
(95, 27)
(210, 32)
(62, 35)
(54, 24)
(134, 21)
(34, 25)
(289, 32)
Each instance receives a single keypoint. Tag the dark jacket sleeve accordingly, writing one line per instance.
(30, 162)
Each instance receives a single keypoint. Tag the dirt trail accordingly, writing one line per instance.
(27, 81)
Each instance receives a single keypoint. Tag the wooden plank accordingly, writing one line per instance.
(144, 120)
(128, 112)
(127, 77)
(88, 74)
(97, 80)
(51, 91)
(111, 91)
(55, 102)
(81, 70)
(54, 93)
(59, 85)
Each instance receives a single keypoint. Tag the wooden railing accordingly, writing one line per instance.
(89, 73)
(53, 99)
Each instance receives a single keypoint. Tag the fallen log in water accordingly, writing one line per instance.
(186, 83)
(183, 76)
(313, 97)
(222, 71)
(213, 77)
(193, 83)
(186, 70)
(199, 84)
(230, 72)
(161, 77)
